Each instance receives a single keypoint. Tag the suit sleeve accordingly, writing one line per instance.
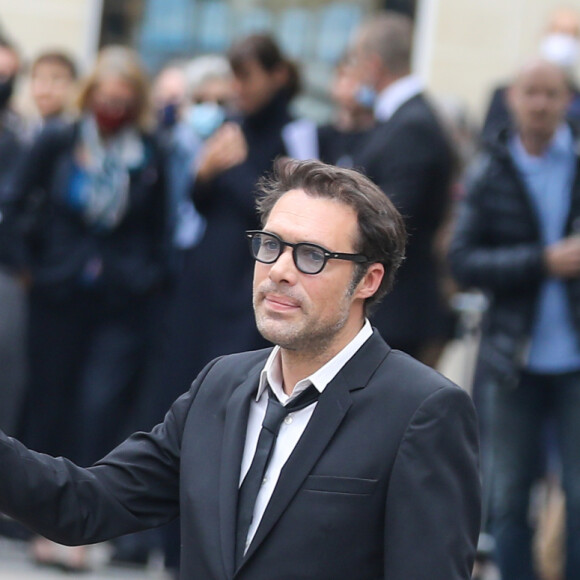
(434, 500)
(133, 488)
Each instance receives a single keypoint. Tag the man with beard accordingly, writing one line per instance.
(330, 456)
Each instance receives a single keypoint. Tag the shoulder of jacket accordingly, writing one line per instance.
(486, 165)
(417, 373)
(422, 107)
(240, 362)
(480, 165)
(59, 135)
(417, 381)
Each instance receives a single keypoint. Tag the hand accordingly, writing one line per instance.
(563, 258)
(226, 148)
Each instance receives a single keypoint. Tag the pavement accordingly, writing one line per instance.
(15, 564)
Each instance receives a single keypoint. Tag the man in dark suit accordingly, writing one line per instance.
(409, 156)
(374, 471)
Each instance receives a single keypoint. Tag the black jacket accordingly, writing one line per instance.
(383, 483)
(411, 159)
(55, 244)
(497, 247)
(11, 151)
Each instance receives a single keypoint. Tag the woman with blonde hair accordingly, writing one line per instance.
(95, 256)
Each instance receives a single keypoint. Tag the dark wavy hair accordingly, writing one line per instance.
(381, 230)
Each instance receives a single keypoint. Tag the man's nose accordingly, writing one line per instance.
(284, 269)
(540, 102)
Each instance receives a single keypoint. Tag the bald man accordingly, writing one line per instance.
(560, 44)
(517, 239)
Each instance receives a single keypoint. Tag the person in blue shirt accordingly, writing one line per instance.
(517, 238)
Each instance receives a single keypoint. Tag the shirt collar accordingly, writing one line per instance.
(562, 143)
(272, 372)
(395, 95)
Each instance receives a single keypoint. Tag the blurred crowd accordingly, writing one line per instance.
(124, 266)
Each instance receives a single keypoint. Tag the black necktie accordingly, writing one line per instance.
(250, 487)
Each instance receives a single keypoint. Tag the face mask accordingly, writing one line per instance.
(366, 96)
(561, 49)
(205, 118)
(168, 115)
(6, 89)
(111, 121)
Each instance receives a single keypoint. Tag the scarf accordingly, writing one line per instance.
(100, 189)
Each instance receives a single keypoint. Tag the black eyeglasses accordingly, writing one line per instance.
(308, 258)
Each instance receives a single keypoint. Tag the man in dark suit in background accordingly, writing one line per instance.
(409, 156)
(373, 470)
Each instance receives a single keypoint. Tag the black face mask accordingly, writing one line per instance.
(167, 116)
(6, 89)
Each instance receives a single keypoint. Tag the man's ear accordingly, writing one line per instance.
(371, 281)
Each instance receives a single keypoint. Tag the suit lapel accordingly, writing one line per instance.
(330, 411)
(234, 437)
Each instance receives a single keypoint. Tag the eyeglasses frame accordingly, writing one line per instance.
(328, 255)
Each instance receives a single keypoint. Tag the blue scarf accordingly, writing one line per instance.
(100, 188)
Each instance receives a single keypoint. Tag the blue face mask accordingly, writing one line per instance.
(366, 96)
(205, 118)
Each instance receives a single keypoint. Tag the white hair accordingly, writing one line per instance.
(202, 69)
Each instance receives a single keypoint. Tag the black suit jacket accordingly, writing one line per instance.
(410, 158)
(382, 484)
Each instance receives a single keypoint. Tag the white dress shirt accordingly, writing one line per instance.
(294, 424)
(301, 139)
(395, 95)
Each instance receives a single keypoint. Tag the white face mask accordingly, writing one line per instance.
(561, 49)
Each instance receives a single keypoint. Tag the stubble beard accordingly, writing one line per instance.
(306, 336)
